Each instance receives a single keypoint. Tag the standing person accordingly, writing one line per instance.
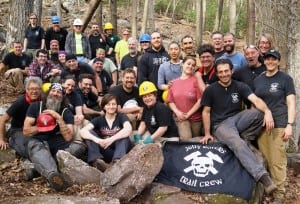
(224, 119)
(151, 60)
(53, 52)
(145, 42)
(128, 97)
(277, 89)
(44, 68)
(131, 59)
(18, 66)
(238, 59)
(107, 136)
(157, 122)
(217, 39)
(34, 36)
(112, 40)
(184, 100)
(188, 48)
(49, 125)
(55, 32)
(17, 113)
(77, 42)
(97, 40)
(170, 70)
(121, 48)
(207, 71)
(265, 43)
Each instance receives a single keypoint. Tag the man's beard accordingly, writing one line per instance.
(53, 103)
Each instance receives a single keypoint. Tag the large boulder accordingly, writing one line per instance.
(133, 173)
(293, 161)
(75, 170)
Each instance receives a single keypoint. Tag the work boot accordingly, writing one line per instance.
(57, 181)
(100, 165)
(269, 186)
(30, 172)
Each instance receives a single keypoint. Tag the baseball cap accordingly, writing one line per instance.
(78, 21)
(70, 56)
(273, 53)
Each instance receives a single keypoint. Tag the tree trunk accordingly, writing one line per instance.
(167, 9)
(58, 8)
(199, 23)
(145, 16)
(203, 14)
(232, 16)
(98, 16)
(18, 18)
(134, 18)
(113, 11)
(218, 16)
(93, 5)
(151, 16)
(250, 38)
(38, 9)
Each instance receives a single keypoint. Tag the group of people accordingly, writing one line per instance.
(103, 95)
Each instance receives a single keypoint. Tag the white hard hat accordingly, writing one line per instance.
(78, 21)
(130, 103)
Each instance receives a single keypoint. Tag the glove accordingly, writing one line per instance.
(148, 140)
(137, 138)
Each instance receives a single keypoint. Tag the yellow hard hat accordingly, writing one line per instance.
(164, 95)
(46, 87)
(147, 87)
(108, 26)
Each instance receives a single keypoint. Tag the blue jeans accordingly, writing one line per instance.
(249, 124)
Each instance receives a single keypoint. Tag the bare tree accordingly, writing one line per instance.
(232, 16)
(113, 11)
(98, 16)
(199, 23)
(145, 16)
(38, 9)
(218, 15)
(251, 22)
(58, 8)
(93, 5)
(175, 3)
(18, 18)
(134, 18)
(151, 16)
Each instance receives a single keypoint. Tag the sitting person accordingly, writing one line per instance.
(156, 118)
(107, 137)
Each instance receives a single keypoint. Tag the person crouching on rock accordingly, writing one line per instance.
(49, 124)
(107, 137)
(156, 118)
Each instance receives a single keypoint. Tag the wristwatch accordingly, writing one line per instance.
(291, 124)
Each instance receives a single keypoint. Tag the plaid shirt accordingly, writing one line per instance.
(70, 46)
(35, 69)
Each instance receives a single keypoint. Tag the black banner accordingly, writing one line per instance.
(209, 168)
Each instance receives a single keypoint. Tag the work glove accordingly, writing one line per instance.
(137, 138)
(148, 140)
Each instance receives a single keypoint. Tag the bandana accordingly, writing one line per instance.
(57, 86)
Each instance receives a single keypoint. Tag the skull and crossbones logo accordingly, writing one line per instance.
(202, 165)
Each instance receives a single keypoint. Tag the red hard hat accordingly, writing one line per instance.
(45, 123)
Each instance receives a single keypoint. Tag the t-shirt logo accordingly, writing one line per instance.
(274, 87)
(235, 97)
(153, 121)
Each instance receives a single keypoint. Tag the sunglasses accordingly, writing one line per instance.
(250, 46)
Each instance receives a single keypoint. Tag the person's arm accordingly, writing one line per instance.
(261, 105)
(179, 114)
(29, 128)
(114, 76)
(195, 108)
(159, 132)
(142, 128)
(88, 111)
(43, 44)
(161, 79)
(206, 124)
(3, 120)
(201, 84)
(291, 105)
(25, 44)
(86, 134)
(78, 117)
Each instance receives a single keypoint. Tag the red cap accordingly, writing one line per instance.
(45, 123)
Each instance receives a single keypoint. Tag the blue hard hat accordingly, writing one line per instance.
(55, 19)
(145, 38)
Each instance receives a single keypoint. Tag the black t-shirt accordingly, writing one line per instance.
(225, 101)
(158, 116)
(106, 80)
(274, 90)
(13, 61)
(102, 128)
(123, 96)
(84, 68)
(129, 62)
(33, 111)
(75, 100)
(34, 37)
(96, 42)
(17, 111)
(60, 36)
(90, 100)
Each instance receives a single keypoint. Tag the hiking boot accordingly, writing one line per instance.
(100, 165)
(269, 186)
(57, 181)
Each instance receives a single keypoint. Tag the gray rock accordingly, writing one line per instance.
(75, 170)
(7, 155)
(133, 173)
(293, 161)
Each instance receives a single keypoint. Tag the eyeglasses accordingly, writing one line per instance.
(251, 47)
(34, 89)
(32, 18)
